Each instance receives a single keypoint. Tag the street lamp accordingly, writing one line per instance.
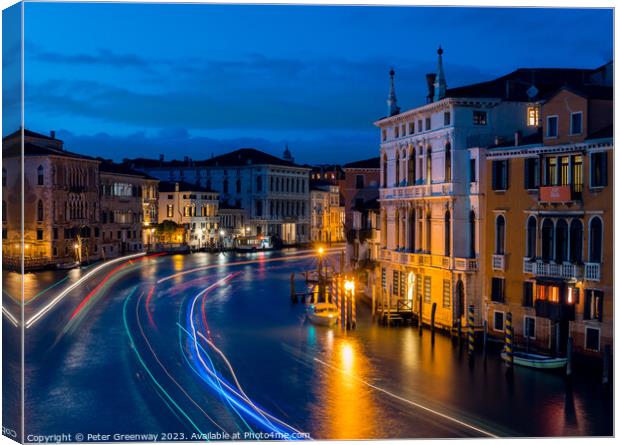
(349, 286)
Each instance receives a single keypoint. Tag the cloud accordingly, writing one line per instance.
(100, 57)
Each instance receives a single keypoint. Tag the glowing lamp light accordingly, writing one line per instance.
(349, 285)
(76, 246)
(321, 250)
(222, 233)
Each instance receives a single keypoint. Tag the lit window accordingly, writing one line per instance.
(480, 118)
(532, 116)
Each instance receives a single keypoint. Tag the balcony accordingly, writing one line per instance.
(554, 311)
(592, 272)
(542, 268)
(425, 259)
(499, 262)
(417, 191)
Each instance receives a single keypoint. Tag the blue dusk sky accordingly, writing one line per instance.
(127, 80)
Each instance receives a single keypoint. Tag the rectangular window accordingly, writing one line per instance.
(402, 130)
(420, 128)
(403, 285)
(500, 175)
(577, 174)
(576, 123)
(593, 339)
(411, 127)
(396, 131)
(498, 321)
(428, 123)
(419, 285)
(472, 170)
(359, 181)
(4, 234)
(593, 307)
(497, 289)
(39, 234)
(529, 327)
(480, 117)
(55, 233)
(528, 293)
(383, 279)
(532, 116)
(169, 211)
(383, 135)
(552, 126)
(395, 283)
(446, 293)
(564, 169)
(446, 118)
(598, 169)
(551, 171)
(427, 289)
(531, 179)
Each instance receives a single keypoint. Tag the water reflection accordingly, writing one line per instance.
(346, 407)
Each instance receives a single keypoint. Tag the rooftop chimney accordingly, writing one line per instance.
(430, 83)
(517, 138)
(53, 134)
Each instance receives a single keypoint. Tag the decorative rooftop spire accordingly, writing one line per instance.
(440, 80)
(391, 100)
(287, 154)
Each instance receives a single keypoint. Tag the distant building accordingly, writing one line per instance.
(232, 224)
(549, 226)
(60, 202)
(331, 173)
(273, 192)
(194, 207)
(122, 206)
(359, 185)
(327, 213)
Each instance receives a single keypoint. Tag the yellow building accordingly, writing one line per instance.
(326, 213)
(549, 227)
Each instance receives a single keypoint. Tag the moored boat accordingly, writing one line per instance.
(323, 314)
(537, 361)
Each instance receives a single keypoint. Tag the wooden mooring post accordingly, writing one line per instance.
(433, 311)
(293, 294)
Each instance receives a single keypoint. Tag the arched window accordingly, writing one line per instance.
(448, 163)
(40, 210)
(472, 234)
(412, 224)
(40, 175)
(576, 241)
(397, 171)
(385, 182)
(429, 163)
(238, 186)
(500, 234)
(446, 233)
(396, 230)
(530, 246)
(3, 177)
(596, 240)
(561, 241)
(411, 167)
(428, 231)
(547, 239)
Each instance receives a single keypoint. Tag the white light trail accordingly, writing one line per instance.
(10, 317)
(37, 316)
(297, 256)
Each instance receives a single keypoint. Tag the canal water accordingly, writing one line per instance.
(373, 382)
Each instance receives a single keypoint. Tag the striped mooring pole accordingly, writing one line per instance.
(509, 339)
(338, 300)
(353, 309)
(470, 329)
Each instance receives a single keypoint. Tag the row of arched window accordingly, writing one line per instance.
(561, 240)
(415, 167)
